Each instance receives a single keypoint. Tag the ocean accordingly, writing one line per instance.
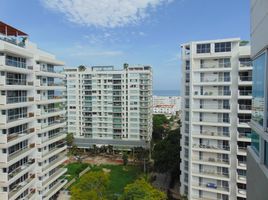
(166, 92)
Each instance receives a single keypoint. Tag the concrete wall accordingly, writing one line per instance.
(259, 25)
(257, 185)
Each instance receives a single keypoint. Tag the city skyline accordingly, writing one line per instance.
(145, 34)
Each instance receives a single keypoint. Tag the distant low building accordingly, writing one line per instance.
(166, 105)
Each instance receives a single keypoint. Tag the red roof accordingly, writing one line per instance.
(10, 31)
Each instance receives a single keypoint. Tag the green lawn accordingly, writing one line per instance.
(73, 170)
(119, 175)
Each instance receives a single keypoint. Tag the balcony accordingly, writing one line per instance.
(20, 153)
(15, 63)
(245, 94)
(9, 140)
(221, 94)
(212, 174)
(242, 151)
(214, 161)
(241, 193)
(245, 137)
(54, 176)
(15, 41)
(241, 178)
(245, 80)
(245, 107)
(53, 151)
(211, 187)
(211, 121)
(242, 164)
(243, 123)
(16, 191)
(55, 189)
(212, 107)
(21, 170)
(211, 148)
(61, 159)
(48, 140)
(245, 65)
(215, 65)
(19, 99)
(212, 135)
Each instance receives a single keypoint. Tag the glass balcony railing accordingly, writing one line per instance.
(19, 99)
(212, 147)
(11, 81)
(245, 78)
(15, 63)
(12, 40)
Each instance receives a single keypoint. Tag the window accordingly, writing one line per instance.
(258, 90)
(203, 48)
(266, 154)
(187, 65)
(223, 47)
(255, 142)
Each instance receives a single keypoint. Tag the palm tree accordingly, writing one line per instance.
(81, 68)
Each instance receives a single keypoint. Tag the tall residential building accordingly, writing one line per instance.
(216, 107)
(32, 134)
(110, 107)
(257, 162)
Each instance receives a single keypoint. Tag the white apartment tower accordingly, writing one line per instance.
(32, 134)
(110, 107)
(216, 106)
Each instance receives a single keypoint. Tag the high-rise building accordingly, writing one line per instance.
(257, 161)
(216, 107)
(110, 107)
(32, 134)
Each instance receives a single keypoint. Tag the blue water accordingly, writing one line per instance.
(166, 92)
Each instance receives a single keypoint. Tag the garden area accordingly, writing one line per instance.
(108, 182)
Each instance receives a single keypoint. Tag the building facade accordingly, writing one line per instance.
(216, 107)
(167, 105)
(32, 119)
(257, 162)
(110, 107)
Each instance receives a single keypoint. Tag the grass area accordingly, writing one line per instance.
(119, 175)
(73, 170)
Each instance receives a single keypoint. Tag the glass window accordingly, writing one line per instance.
(203, 48)
(266, 154)
(258, 89)
(255, 142)
(223, 47)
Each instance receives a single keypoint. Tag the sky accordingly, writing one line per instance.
(137, 32)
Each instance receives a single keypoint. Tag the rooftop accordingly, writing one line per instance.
(8, 30)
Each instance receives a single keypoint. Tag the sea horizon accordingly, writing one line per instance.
(166, 92)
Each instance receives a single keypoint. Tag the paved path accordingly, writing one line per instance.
(64, 195)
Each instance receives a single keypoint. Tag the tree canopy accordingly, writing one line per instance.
(158, 127)
(142, 190)
(92, 186)
(166, 153)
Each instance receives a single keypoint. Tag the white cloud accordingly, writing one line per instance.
(104, 13)
(97, 53)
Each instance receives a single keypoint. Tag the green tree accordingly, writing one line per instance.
(166, 154)
(159, 121)
(70, 139)
(92, 186)
(125, 158)
(142, 190)
(81, 68)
